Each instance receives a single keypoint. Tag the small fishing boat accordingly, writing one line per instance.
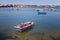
(23, 26)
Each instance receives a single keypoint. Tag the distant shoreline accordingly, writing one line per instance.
(16, 5)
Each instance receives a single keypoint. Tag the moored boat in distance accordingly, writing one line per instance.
(23, 26)
(41, 11)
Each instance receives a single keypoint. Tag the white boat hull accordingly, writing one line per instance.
(23, 28)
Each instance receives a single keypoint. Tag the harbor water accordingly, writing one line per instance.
(45, 27)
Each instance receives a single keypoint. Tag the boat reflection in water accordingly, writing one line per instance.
(22, 35)
(19, 35)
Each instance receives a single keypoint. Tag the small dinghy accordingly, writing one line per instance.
(41, 11)
(23, 26)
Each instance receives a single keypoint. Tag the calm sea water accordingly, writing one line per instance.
(48, 24)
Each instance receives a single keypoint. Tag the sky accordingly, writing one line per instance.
(46, 2)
